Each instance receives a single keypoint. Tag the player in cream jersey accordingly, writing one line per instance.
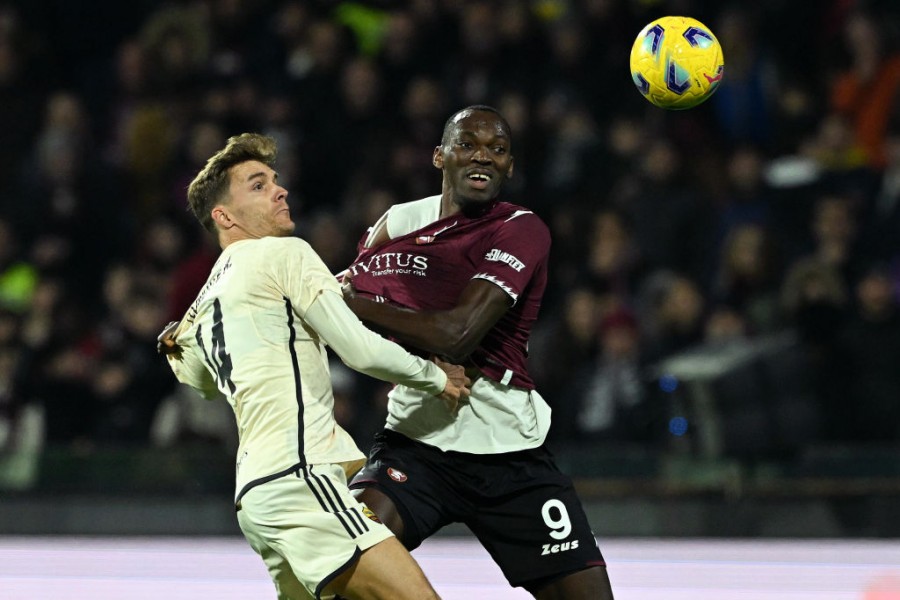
(257, 334)
(265, 352)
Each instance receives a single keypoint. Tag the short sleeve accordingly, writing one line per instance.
(519, 246)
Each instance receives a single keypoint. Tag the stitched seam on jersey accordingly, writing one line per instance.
(295, 364)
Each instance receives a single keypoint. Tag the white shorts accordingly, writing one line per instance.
(307, 529)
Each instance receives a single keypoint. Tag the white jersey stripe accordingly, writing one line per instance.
(519, 213)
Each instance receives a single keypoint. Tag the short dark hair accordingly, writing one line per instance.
(209, 186)
(448, 124)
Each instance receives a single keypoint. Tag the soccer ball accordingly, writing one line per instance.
(676, 62)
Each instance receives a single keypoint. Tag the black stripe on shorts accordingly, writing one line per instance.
(330, 501)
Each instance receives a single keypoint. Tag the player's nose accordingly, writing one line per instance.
(481, 155)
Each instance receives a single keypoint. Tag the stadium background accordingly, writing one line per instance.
(720, 340)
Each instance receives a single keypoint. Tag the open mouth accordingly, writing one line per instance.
(479, 181)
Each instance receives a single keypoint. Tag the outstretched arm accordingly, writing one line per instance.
(367, 352)
(454, 333)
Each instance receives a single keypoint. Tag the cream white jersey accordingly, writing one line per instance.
(257, 334)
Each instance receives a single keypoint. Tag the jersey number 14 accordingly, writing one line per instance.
(218, 359)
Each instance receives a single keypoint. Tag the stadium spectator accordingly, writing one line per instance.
(104, 122)
(870, 353)
(747, 278)
(609, 399)
(671, 311)
(564, 344)
(866, 91)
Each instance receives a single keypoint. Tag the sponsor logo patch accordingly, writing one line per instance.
(557, 548)
(396, 474)
(496, 255)
(392, 263)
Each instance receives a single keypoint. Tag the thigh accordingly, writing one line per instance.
(309, 525)
(385, 571)
(533, 523)
(414, 477)
(287, 586)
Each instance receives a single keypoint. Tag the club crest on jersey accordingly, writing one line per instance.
(396, 474)
(495, 255)
(370, 514)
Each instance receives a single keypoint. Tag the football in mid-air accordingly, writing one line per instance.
(676, 62)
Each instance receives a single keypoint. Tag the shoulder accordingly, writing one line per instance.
(409, 216)
(517, 217)
(282, 245)
(401, 219)
(429, 204)
(270, 253)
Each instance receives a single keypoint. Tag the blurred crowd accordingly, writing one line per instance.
(763, 225)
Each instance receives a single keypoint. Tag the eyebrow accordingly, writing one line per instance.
(262, 175)
(462, 132)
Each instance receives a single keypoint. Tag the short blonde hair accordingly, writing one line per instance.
(211, 184)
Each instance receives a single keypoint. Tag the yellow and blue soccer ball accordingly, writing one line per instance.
(676, 62)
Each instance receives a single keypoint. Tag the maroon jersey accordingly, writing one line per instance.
(428, 268)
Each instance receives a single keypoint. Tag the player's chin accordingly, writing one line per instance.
(475, 196)
(286, 228)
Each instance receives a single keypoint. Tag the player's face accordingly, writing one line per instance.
(476, 158)
(258, 205)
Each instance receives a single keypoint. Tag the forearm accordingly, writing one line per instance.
(453, 333)
(367, 352)
(425, 330)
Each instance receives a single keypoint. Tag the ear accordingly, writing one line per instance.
(222, 217)
(437, 158)
(512, 164)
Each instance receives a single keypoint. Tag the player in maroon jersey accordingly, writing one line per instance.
(461, 275)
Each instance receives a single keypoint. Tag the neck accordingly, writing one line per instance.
(226, 238)
(452, 206)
